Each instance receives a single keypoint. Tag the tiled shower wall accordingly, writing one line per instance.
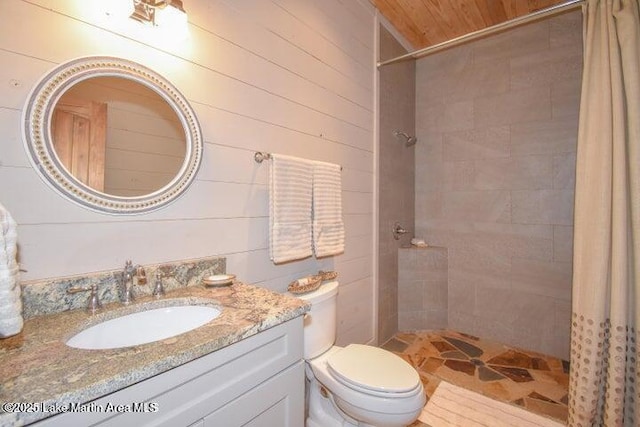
(495, 164)
(396, 166)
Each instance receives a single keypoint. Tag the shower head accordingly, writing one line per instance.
(408, 139)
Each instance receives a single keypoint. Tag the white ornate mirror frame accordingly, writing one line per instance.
(38, 141)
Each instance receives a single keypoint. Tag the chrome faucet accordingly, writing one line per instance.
(127, 281)
(93, 303)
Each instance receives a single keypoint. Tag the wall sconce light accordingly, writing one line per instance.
(162, 13)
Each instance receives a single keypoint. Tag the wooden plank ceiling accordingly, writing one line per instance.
(428, 22)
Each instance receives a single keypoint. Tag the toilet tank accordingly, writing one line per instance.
(320, 321)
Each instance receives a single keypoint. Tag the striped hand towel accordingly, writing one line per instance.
(290, 193)
(328, 226)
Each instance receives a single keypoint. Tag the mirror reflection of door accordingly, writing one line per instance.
(134, 143)
(79, 135)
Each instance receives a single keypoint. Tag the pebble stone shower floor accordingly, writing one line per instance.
(533, 381)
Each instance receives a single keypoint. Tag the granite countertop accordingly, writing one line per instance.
(37, 367)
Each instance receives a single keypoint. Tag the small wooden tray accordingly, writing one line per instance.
(304, 285)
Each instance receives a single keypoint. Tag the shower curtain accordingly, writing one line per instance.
(603, 389)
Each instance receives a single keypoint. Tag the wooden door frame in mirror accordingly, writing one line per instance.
(38, 142)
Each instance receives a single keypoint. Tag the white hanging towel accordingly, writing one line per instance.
(10, 303)
(328, 226)
(290, 193)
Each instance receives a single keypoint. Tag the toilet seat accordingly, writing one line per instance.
(374, 371)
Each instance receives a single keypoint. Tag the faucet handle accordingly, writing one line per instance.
(158, 288)
(93, 303)
(398, 231)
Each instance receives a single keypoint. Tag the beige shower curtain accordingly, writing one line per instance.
(604, 388)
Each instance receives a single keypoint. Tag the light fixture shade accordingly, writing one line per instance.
(171, 16)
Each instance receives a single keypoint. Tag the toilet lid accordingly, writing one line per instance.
(373, 368)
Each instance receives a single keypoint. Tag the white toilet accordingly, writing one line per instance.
(357, 385)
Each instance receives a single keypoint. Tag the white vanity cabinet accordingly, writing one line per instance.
(258, 381)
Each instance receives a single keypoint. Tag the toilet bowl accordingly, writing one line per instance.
(377, 390)
(356, 385)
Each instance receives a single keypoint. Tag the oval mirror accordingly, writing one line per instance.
(112, 135)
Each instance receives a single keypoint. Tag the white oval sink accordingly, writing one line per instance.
(143, 327)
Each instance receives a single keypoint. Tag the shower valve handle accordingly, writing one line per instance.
(398, 230)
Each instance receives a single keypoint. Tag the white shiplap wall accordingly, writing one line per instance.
(287, 76)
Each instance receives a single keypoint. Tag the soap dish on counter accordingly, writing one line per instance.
(218, 280)
(304, 285)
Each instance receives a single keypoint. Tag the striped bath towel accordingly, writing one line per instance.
(328, 226)
(290, 195)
